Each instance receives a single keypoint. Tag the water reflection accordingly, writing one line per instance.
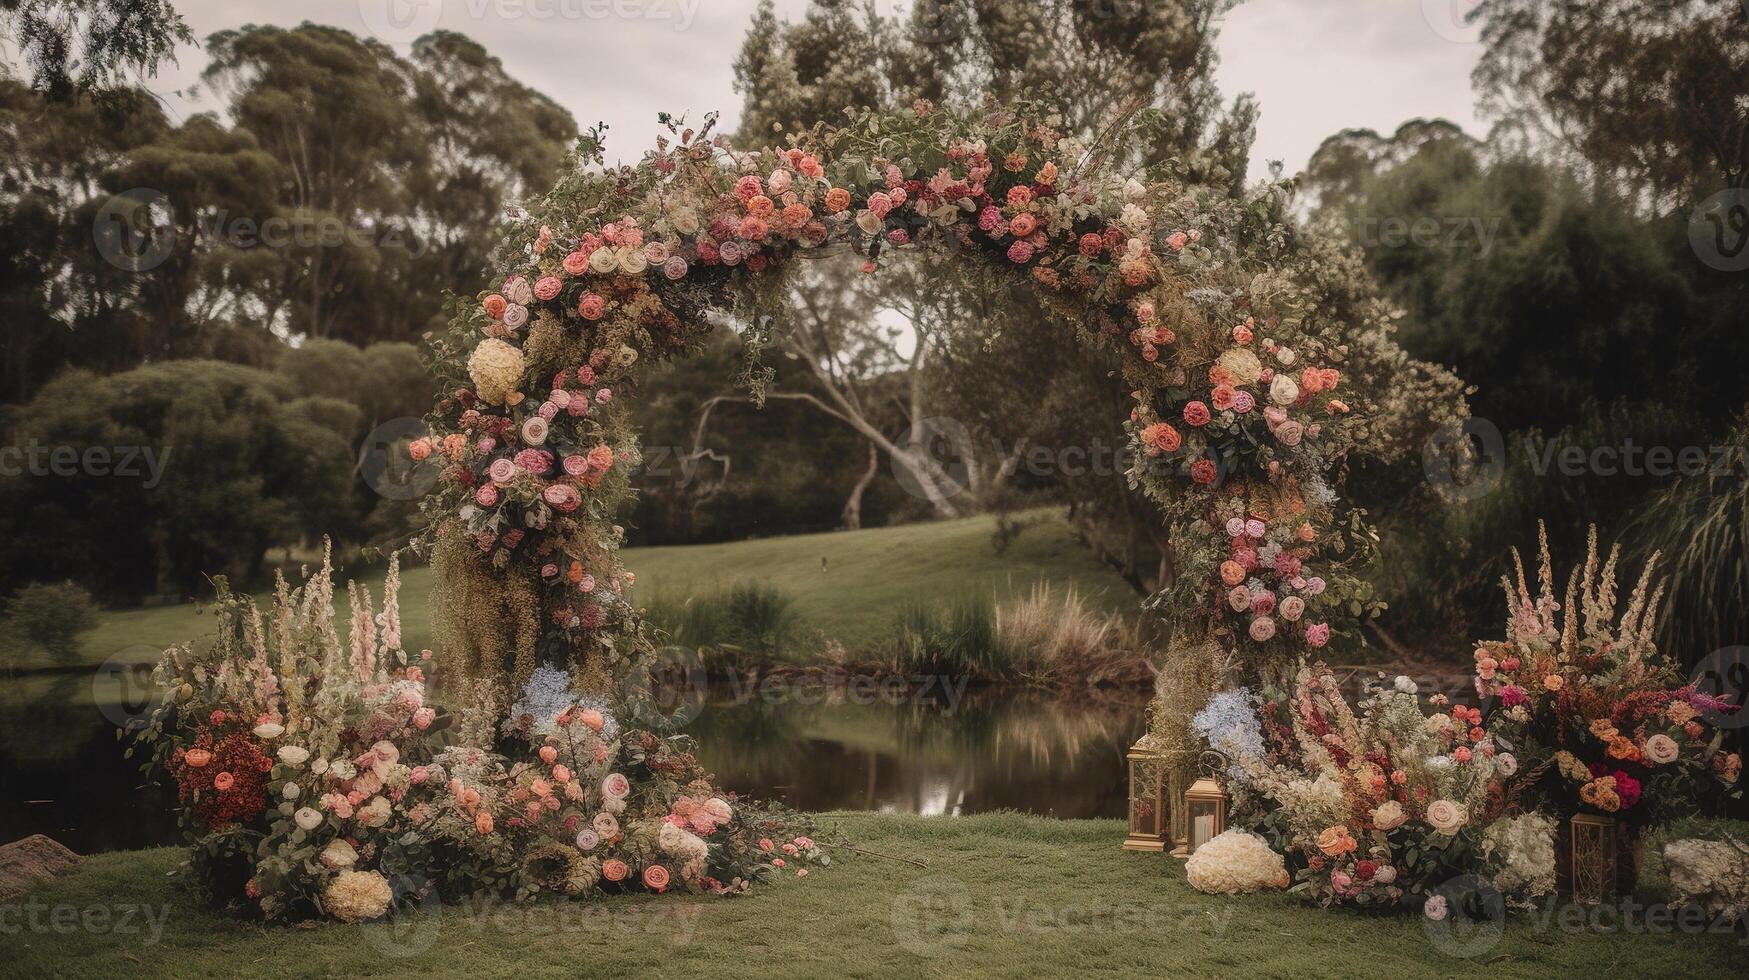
(991, 750)
(62, 771)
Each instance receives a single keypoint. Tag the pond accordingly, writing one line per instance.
(922, 750)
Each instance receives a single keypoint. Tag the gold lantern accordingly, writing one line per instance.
(1148, 799)
(1205, 809)
(1588, 859)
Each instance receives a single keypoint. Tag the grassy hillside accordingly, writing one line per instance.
(854, 597)
(1002, 895)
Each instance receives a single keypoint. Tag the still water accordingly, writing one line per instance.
(926, 751)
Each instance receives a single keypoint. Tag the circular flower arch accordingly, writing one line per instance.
(1245, 401)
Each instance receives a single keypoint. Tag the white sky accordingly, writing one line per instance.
(1316, 66)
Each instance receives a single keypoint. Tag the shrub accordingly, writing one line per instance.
(53, 616)
(749, 616)
(957, 641)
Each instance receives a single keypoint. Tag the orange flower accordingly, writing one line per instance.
(613, 869)
(1336, 841)
(1232, 573)
(656, 877)
(223, 781)
(837, 199)
(198, 758)
(483, 822)
(1553, 682)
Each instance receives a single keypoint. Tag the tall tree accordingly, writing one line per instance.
(1652, 99)
(93, 47)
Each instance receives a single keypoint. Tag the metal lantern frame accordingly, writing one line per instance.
(1149, 801)
(1593, 847)
(1204, 798)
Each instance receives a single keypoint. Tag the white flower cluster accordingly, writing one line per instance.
(1521, 853)
(1234, 863)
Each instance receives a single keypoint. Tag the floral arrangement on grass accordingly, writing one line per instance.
(1593, 705)
(1372, 807)
(316, 778)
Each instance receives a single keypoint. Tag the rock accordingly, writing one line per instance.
(25, 862)
(1709, 873)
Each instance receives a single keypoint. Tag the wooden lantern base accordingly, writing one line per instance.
(1144, 842)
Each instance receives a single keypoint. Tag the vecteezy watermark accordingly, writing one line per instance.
(938, 915)
(404, 21)
(1632, 459)
(136, 231)
(949, 455)
(666, 688)
(35, 917)
(418, 919)
(1452, 20)
(132, 229)
(144, 463)
(1724, 675)
(839, 686)
(1464, 460)
(1467, 918)
(122, 687)
(1718, 230)
(386, 463)
(1454, 234)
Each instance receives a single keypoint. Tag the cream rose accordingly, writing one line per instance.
(1662, 749)
(307, 818)
(1446, 817)
(1388, 815)
(603, 261)
(293, 755)
(269, 730)
(339, 854)
(1284, 390)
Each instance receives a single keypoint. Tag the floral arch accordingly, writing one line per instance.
(1249, 392)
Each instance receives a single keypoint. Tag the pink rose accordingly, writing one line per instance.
(674, 268)
(577, 263)
(501, 470)
(423, 718)
(1262, 629)
(547, 288)
(592, 306)
(534, 430)
(1292, 608)
(1289, 433)
(1318, 634)
(486, 495)
(1020, 253)
(576, 465)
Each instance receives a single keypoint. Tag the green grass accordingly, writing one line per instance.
(1002, 895)
(855, 598)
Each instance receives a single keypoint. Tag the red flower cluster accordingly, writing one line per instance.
(226, 782)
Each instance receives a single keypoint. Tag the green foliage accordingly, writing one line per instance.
(747, 616)
(92, 46)
(1701, 527)
(958, 640)
(206, 465)
(53, 616)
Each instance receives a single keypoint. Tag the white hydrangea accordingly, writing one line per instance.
(1234, 863)
(1520, 851)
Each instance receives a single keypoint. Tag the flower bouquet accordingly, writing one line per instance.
(1593, 706)
(316, 778)
(1373, 807)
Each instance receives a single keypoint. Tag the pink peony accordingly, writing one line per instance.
(486, 495)
(1020, 253)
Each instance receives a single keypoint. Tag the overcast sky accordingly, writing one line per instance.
(1316, 66)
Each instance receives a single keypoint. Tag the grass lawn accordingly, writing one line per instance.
(869, 575)
(1003, 895)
